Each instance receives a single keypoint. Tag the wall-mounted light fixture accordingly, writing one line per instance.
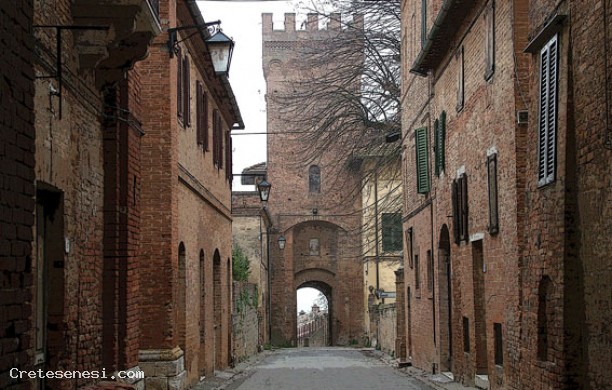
(282, 241)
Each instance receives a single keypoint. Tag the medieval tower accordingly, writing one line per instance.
(315, 201)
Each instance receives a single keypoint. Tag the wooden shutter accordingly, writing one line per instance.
(179, 84)
(215, 140)
(493, 205)
(221, 143)
(199, 113)
(186, 93)
(422, 161)
(464, 207)
(442, 141)
(228, 155)
(205, 129)
(547, 132)
(456, 216)
(436, 148)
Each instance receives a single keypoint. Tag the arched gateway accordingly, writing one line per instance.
(317, 254)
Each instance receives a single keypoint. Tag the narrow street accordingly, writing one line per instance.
(323, 368)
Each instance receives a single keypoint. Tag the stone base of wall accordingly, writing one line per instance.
(164, 369)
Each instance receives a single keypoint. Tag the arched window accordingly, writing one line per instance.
(314, 179)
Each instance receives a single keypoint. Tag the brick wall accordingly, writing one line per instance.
(16, 189)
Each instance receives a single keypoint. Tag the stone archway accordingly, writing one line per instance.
(319, 327)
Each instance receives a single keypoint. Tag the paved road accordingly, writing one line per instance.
(323, 369)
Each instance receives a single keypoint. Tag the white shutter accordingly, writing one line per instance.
(548, 112)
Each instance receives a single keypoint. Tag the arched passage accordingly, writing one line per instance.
(445, 296)
(313, 322)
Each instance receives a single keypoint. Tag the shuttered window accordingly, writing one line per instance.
(460, 209)
(423, 22)
(186, 92)
(493, 205)
(228, 156)
(547, 130)
(215, 140)
(439, 143)
(199, 113)
(422, 163)
(179, 83)
(205, 127)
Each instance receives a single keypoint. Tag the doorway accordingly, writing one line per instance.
(313, 316)
(446, 301)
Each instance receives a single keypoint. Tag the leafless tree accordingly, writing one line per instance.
(345, 99)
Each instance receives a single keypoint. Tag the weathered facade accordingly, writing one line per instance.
(185, 252)
(76, 166)
(314, 205)
(497, 181)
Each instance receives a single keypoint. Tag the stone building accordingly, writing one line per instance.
(498, 174)
(185, 195)
(313, 203)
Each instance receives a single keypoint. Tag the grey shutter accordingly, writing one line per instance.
(422, 161)
(547, 132)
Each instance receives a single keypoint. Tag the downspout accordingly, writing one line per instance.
(376, 233)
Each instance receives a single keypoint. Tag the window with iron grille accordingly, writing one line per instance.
(547, 127)
(460, 209)
(422, 160)
(391, 232)
(314, 179)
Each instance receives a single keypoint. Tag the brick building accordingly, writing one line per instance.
(185, 251)
(313, 202)
(75, 292)
(498, 174)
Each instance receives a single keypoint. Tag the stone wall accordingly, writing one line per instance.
(387, 326)
(246, 324)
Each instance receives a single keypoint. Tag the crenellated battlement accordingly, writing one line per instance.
(310, 26)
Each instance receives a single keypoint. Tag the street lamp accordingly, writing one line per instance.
(263, 188)
(282, 241)
(221, 48)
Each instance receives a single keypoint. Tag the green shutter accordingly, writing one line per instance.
(422, 161)
(436, 148)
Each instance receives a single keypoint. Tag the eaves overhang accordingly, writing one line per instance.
(440, 37)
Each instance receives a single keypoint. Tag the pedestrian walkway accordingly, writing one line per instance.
(235, 377)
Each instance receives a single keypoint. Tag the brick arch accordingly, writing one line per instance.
(324, 281)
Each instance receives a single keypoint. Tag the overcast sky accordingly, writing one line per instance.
(242, 22)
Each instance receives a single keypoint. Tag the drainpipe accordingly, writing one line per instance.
(376, 233)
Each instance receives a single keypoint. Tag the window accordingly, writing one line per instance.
(423, 22)
(430, 272)
(545, 316)
(391, 232)
(217, 140)
(490, 40)
(202, 116)
(417, 273)
(422, 160)
(409, 244)
(493, 205)
(460, 80)
(547, 131)
(498, 347)
(199, 113)
(460, 209)
(314, 179)
(186, 93)
(466, 335)
(179, 83)
(439, 143)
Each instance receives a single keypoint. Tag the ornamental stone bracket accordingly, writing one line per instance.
(109, 53)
